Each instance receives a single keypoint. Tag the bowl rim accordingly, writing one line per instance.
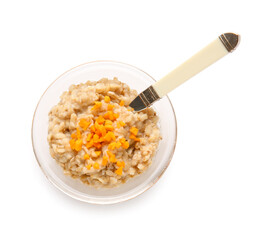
(89, 200)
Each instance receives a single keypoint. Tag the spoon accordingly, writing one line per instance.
(217, 49)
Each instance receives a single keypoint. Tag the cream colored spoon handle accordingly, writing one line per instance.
(217, 49)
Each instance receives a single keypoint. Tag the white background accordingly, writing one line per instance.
(213, 186)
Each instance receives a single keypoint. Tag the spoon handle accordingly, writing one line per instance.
(217, 49)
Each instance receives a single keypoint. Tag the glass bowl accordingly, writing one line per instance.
(136, 79)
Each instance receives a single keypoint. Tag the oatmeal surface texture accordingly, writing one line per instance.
(95, 137)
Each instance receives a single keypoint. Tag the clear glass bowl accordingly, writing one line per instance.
(136, 79)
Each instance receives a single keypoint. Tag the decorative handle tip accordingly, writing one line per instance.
(230, 41)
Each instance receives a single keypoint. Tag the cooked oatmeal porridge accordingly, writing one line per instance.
(96, 137)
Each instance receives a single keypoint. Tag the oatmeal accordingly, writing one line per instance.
(96, 137)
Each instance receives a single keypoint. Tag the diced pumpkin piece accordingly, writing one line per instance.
(108, 122)
(100, 120)
(107, 99)
(88, 166)
(112, 157)
(119, 171)
(96, 165)
(132, 136)
(97, 145)
(111, 117)
(95, 138)
(112, 146)
(105, 160)
(97, 126)
(112, 135)
(122, 140)
(107, 137)
(86, 156)
(120, 124)
(134, 130)
(78, 144)
(103, 131)
(115, 115)
(83, 123)
(118, 144)
(97, 105)
(92, 128)
(108, 115)
(110, 107)
(109, 153)
(78, 133)
(122, 103)
(89, 144)
(89, 137)
(98, 153)
(73, 135)
(109, 127)
(125, 145)
(120, 164)
(72, 144)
